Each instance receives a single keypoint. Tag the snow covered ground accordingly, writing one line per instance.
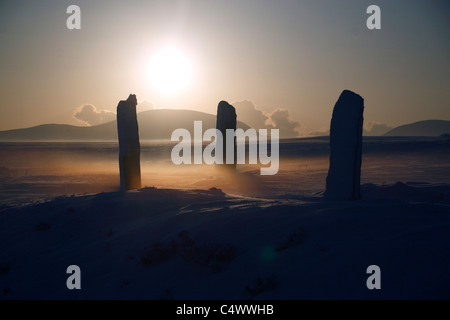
(178, 244)
(283, 242)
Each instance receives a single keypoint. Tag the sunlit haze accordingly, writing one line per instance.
(170, 70)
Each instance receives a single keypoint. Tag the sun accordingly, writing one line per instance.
(170, 70)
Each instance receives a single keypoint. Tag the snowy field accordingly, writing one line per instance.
(271, 237)
(32, 172)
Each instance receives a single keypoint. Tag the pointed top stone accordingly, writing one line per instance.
(132, 99)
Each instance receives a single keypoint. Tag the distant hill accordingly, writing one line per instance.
(427, 128)
(153, 125)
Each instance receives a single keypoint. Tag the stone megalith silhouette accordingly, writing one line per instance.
(226, 119)
(129, 147)
(343, 180)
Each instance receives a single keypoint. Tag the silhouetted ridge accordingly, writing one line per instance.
(427, 128)
(153, 124)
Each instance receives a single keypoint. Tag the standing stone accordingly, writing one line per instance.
(226, 119)
(343, 180)
(129, 147)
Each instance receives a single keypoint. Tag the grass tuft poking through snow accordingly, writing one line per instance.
(260, 285)
(293, 240)
(213, 256)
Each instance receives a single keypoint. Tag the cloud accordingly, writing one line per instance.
(248, 113)
(373, 128)
(88, 114)
(281, 119)
(145, 105)
(256, 118)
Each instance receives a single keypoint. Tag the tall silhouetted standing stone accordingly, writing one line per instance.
(129, 147)
(343, 180)
(226, 119)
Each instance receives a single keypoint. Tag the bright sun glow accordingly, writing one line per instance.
(170, 70)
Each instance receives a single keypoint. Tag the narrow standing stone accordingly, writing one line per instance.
(129, 147)
(343, 180)
(226, 119)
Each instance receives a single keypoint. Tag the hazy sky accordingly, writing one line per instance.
(297, 55)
